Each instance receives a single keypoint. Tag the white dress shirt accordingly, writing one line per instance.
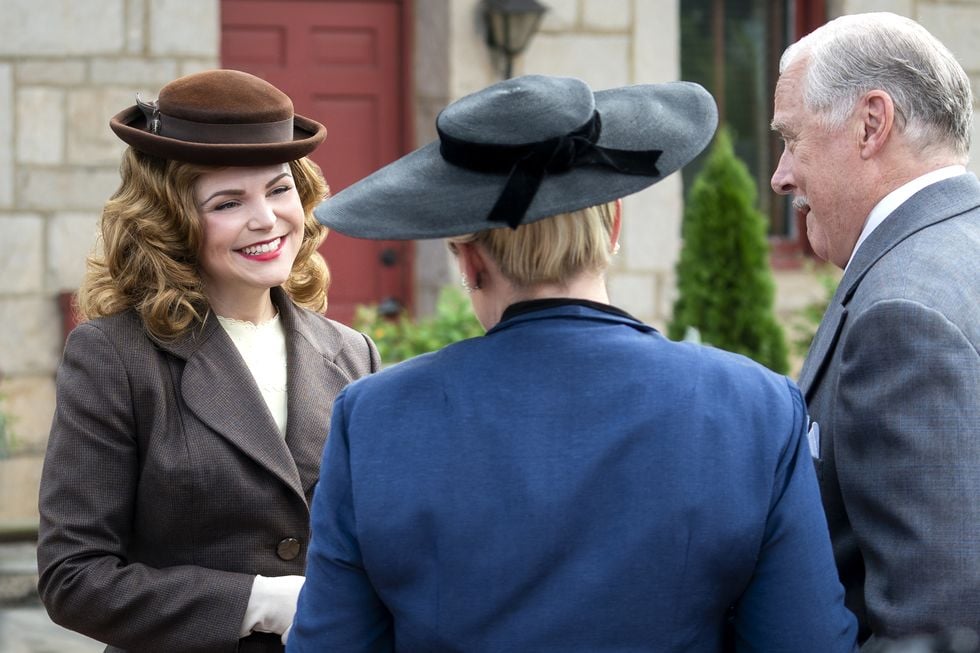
(897, 197)
(263, 346)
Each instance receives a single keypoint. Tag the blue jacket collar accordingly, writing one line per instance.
(563, 307)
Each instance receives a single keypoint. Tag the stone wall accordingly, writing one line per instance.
(65, 67)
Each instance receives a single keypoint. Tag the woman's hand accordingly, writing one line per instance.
(271, 605)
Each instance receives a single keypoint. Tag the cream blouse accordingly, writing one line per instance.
(263, 346)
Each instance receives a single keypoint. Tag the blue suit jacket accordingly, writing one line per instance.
(572, 481)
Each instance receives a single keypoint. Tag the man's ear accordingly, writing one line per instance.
(877, 113)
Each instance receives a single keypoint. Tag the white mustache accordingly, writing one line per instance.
(801, 204)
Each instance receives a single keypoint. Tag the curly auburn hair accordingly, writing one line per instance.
(150, 239)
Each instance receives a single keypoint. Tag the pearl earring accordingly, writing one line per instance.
(466, 284)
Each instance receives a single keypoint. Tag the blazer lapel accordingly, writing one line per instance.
(219, 389)
(822, 348)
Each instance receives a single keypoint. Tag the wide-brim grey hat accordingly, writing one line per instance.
(525, 149)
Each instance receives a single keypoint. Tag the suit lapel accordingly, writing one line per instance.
(219, 389)
(932, 204)
(822, 348)
(313, 382)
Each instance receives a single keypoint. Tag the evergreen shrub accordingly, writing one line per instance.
(724, 280)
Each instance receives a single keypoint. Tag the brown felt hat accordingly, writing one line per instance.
(221, 118)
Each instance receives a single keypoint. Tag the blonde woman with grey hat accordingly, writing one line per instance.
(572, 480)
(193, 402)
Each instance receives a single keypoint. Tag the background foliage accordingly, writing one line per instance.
(804, 327)
(403, 338)
(724, 280)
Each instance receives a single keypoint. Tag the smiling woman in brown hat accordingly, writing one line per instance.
(572, 481)
(193, 403)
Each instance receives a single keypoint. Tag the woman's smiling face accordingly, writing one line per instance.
(252, 223)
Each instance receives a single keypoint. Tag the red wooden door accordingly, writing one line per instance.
(343, 64)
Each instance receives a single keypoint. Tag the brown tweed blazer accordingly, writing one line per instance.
(167, 486)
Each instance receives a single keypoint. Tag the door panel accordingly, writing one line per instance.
(342, 64)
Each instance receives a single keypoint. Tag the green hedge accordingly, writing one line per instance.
(402, 338)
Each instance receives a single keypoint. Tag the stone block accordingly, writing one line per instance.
(666, 297)
(184, 27)
(90, 141)
(431, 60)
(426, 111)
(958, 27)
(562, 16)
(434, 263)
(149, 74)
(189, 66)
(22, 262)
(45, 72)
(20, 480)
(71, 237)
(635, 293)
(6, 136)
(435, 268)
(29, 403)
(66, 189)
(797, 289)
(61, 27)
(471, 64)
(40, 125)
(656, 42)
(31, 339)
(135, 31)
(602, 60)
(901, 7)
(652, 226)
(607, 15)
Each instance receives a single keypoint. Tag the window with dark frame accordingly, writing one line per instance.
(732, 48)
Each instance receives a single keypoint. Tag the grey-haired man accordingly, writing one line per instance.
(876, 115)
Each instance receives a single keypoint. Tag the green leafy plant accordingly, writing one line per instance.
(725, 284)
(402, 338)
(806, 322)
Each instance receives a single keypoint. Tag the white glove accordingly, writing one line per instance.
(272, 605)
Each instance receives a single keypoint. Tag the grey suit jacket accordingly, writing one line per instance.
(167, 486)
(893, 380)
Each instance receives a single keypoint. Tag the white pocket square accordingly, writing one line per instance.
(813, 438)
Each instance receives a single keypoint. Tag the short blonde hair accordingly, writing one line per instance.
(150, 238)
(552, 250)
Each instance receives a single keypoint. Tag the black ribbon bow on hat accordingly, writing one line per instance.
(527, 164)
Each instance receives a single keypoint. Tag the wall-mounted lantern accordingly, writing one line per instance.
(510, 26)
